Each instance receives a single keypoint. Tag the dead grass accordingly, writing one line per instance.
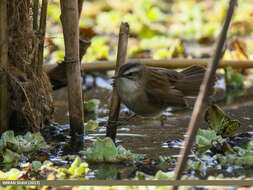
(29, 92)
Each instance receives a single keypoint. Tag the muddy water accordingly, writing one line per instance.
(162, 135)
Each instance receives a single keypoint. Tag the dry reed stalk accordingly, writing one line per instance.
(111, 129)
(201, 103)
(70, 19)
(3, 64)
(165, 63)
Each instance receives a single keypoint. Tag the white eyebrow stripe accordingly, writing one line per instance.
(131, 70)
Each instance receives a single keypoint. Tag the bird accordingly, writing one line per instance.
(148, 91)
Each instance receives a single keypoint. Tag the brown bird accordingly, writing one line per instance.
(147, 91)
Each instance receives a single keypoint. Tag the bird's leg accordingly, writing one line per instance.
(122, 122)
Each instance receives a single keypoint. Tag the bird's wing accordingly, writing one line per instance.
(160, 87)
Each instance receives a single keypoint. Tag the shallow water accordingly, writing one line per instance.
(162, 135)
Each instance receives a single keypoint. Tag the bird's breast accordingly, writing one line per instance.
(135, 98)
(128, 91)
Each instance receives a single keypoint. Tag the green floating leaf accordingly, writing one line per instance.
(106, 174)
(91, 105)
(91, 109)
(8, 136)
(78, 168)
(75, 164)
(63, 173)
(91, 126)
(197, 165)
(157, 42)
(204, 139)
(109, 151)
(29, 137)
(104, 150)
(111, 18)
(36, 164)
(163, 53)
(54, 12)
(155, 14)
(10, 157)
(20, 144)
(245, 160)
(12, 174)
(160, 175)
(221, 122)
(233, 79)
(133, 22)
(47, 163)
(58, 54)
(124, 154)
(3, 176)
(98, 50)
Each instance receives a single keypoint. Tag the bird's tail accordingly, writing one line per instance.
(190, 83)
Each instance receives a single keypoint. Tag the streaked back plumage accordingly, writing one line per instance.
(150, 90)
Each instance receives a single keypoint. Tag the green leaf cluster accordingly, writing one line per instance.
(220, 122)
(218, 145)
(104, 150)
(76, 170)
(12, 146)
(160, 175)
(12, 174)
(221, 126)
(205, 139)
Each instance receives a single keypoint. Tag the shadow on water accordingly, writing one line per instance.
(154, 137)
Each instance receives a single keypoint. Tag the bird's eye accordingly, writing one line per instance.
(130, 75)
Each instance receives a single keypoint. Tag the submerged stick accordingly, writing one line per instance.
(70, 19)
(3, 64)
(111, 129)
(201, 102)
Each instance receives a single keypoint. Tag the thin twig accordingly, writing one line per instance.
(4, 64)
(35, 14)
(115, 101)
(201, 102)
(42, 32)
(35, 48)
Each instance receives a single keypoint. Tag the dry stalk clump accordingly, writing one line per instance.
(29, 92)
